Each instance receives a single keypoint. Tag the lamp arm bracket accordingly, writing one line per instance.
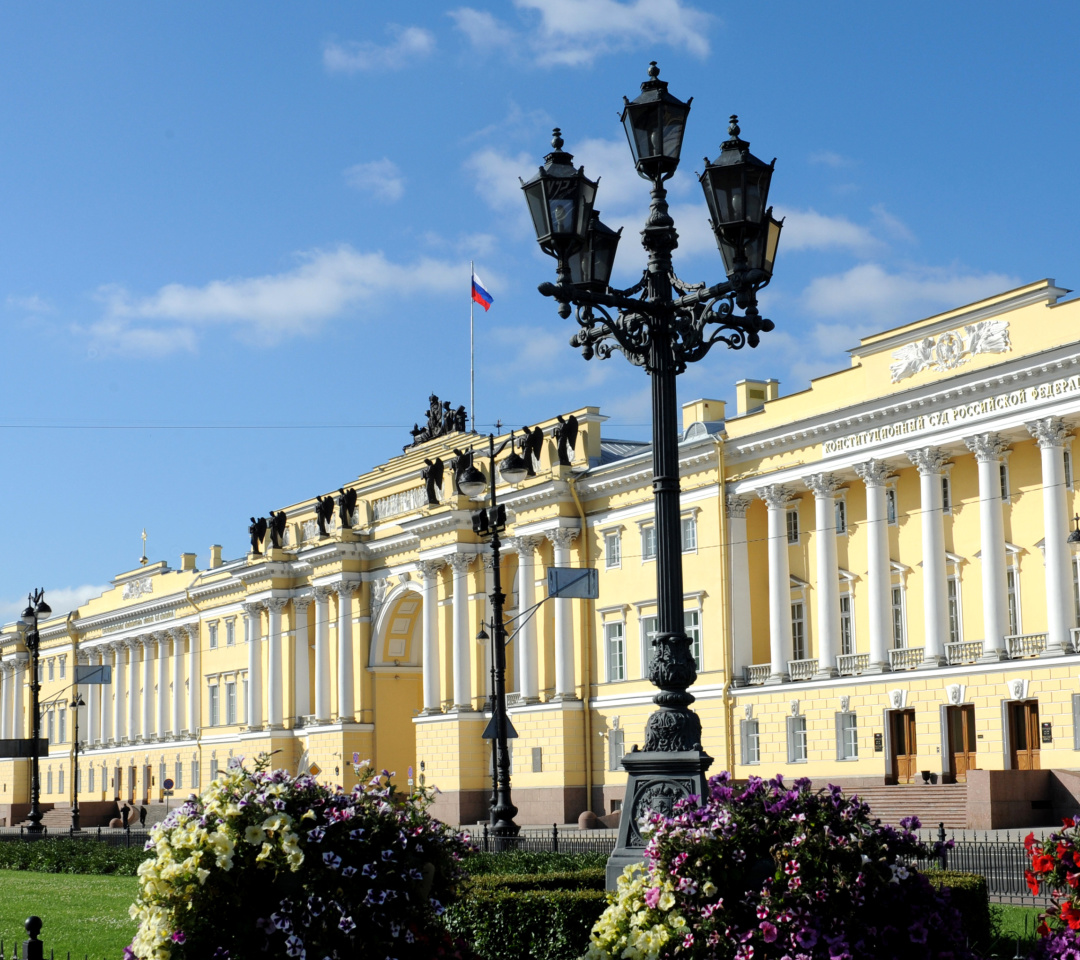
(572, 293)
(637, 287)
(629, 333)
(683, 287)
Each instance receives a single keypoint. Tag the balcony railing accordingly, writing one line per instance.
(1025, 645)
(756, 674)
(967, 652)
(906, 658)
(802, 669)
(852, 664)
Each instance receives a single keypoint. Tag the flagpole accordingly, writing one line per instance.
(472, 349)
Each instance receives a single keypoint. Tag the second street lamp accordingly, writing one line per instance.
(663, 324)
(36, 611)
(76, 702)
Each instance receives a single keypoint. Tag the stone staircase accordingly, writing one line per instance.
(931, 803)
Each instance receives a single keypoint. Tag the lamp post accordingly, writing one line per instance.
(36, 610)
(76, 702)
(661, 324)
(488, 523)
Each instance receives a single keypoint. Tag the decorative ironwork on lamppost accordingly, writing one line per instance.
(76, 702)
(488, 523)
(661, 324)
(36, 610)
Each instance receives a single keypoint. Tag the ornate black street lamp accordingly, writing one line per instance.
(76, 702)
(36, 610)
(661, 324)
(488, 523)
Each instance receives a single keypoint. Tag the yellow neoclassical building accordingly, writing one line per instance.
(879, 586)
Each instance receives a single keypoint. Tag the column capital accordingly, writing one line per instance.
(276, 604)
(928, 460)
(822, 484)
(254, 607)
(776, 495)
(737, 506)
(192, 630)
(429, 569)
(302, 602)
(523, 544)
(987, 447)
(162, 637)
(459, 562)
(346, 588)
(561, 536)
(1049, 432)
(179, 634)
(874, 473)
(323, 593)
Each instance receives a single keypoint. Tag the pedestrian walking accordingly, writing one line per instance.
(142, 815)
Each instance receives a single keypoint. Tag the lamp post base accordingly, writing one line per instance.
(658, 780)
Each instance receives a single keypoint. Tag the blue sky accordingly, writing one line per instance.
(234, 238)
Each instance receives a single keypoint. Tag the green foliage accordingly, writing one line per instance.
(969, 895)
(522, 862)
(519, 924)
(64, 855)
(591, 878)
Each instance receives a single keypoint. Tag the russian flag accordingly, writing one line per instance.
(479, 294)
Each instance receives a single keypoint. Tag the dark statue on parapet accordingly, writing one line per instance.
(432, 475)
(346, 506)
(324, 513)
(531, 446)
(277, 529)
(565, 435)
(441, 420)
(257, 531)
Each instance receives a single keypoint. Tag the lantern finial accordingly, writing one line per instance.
(556, 138)
(733, 126)
(654, 70)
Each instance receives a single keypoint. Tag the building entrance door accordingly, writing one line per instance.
(961, 722)
(903, 747)
(1024, 734)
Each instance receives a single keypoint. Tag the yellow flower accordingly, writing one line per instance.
(708, 889)
(254, 835)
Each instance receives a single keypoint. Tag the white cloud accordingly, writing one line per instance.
(810, 230)
(31, 304)
(407, 44)
(827, 158)
(263, 310)
(61, 599)
(882, 299)
(483, 30)
(894, 226)
(379, 177)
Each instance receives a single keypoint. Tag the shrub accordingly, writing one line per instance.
(523, 861)
(770, 871)
(968, 893)
(265, 864)
(592, 878)
(63, 855)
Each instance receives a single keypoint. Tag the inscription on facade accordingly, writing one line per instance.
(141, 621)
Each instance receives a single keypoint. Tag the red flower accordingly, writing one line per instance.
(1068, 822)
(1042, 863)
(1070, 915)
(1033, 884)
(1029, 842)
(1043, 930)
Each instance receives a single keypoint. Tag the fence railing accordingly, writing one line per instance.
(113, 836)
(547, 841)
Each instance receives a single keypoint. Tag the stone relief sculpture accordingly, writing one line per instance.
(950, 349)
(257, 532)
(134, 589)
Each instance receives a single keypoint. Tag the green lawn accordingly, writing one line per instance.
(83, 915)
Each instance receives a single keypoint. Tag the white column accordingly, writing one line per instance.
(528, 653)
(148, 689)
(564, 623)
(874, 473)
(1060, 612)
(90, 695)
(346, 701)
(253, 620)
(776, 498)
(163, 712)
(133, 687)
(19, 680)
(194, 681)
(429, 570)
(988, 448)
(301, 678)
(274, 699)
(115, 723)
(459, 564)
(929, 461)
(824, 486)
(177, 723)
(322, 654)
(739, 600)
(5, 701)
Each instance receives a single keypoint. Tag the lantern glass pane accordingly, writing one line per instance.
(727, 253)
(673, 128)
(534, 193)
(772, 241)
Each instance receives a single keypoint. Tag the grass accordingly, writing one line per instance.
(81, 914)
(1011, 924)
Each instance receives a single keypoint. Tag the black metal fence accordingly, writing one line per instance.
(548, 841)
(113, 836)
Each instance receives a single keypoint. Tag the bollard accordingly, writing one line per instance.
(486, 848)
(554, 838)
(944, 852)
(33, 949)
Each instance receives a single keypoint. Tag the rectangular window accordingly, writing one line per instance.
(751, 742)
(899, 634)
(1014, 601)
(212, 634)
(230, 632)
(616, 749)
(648, 631)
(1068, 470)
(613, 550)
(847, 626)
(91, 778)
(798, 631)
(890, 506)
(48, 784)
(796, 739)
(230, 703)
(689, 534)
(537, 759)
(953, 587)
(212, 704)
(63, 667)
(648, 543)
(195, 774)
(692, 626)
(178, 775)
(847, 736)
(840, 511)
(616, 651)
(52, 667)
(40, 671)
(793, 525)
(1003, 472)
(52, 726)
(946, 495)
(161, 773)
(63, 725)
(60, 786)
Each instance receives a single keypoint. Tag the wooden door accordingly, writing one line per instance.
(961, 722)
(904, 749)
(1024, 734)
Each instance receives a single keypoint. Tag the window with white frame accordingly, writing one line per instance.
(847, 626)
(899, 620)
(1003, 474)
(212, 704)
(178, 775)
(63, 667)
(946, 494)
(840, 516)
(230, 702)
(890, 507)
(847, 736)
(48, 781)
(1012, 590)
(247, 719)
(616, 749)
(230, 631)
(51, 724)
(648, 542)
(63, 724)
(612, 549)
(648, 631)
(751, 741)
(60, 785)
(689, 534)
(793, 525)
(692, 626)
(615, 643)
(161, 773)
(796, 740)
(194, 773)
(91, 778)
(212, 634)
(798, 630)
(956, 625)
(52, 667)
